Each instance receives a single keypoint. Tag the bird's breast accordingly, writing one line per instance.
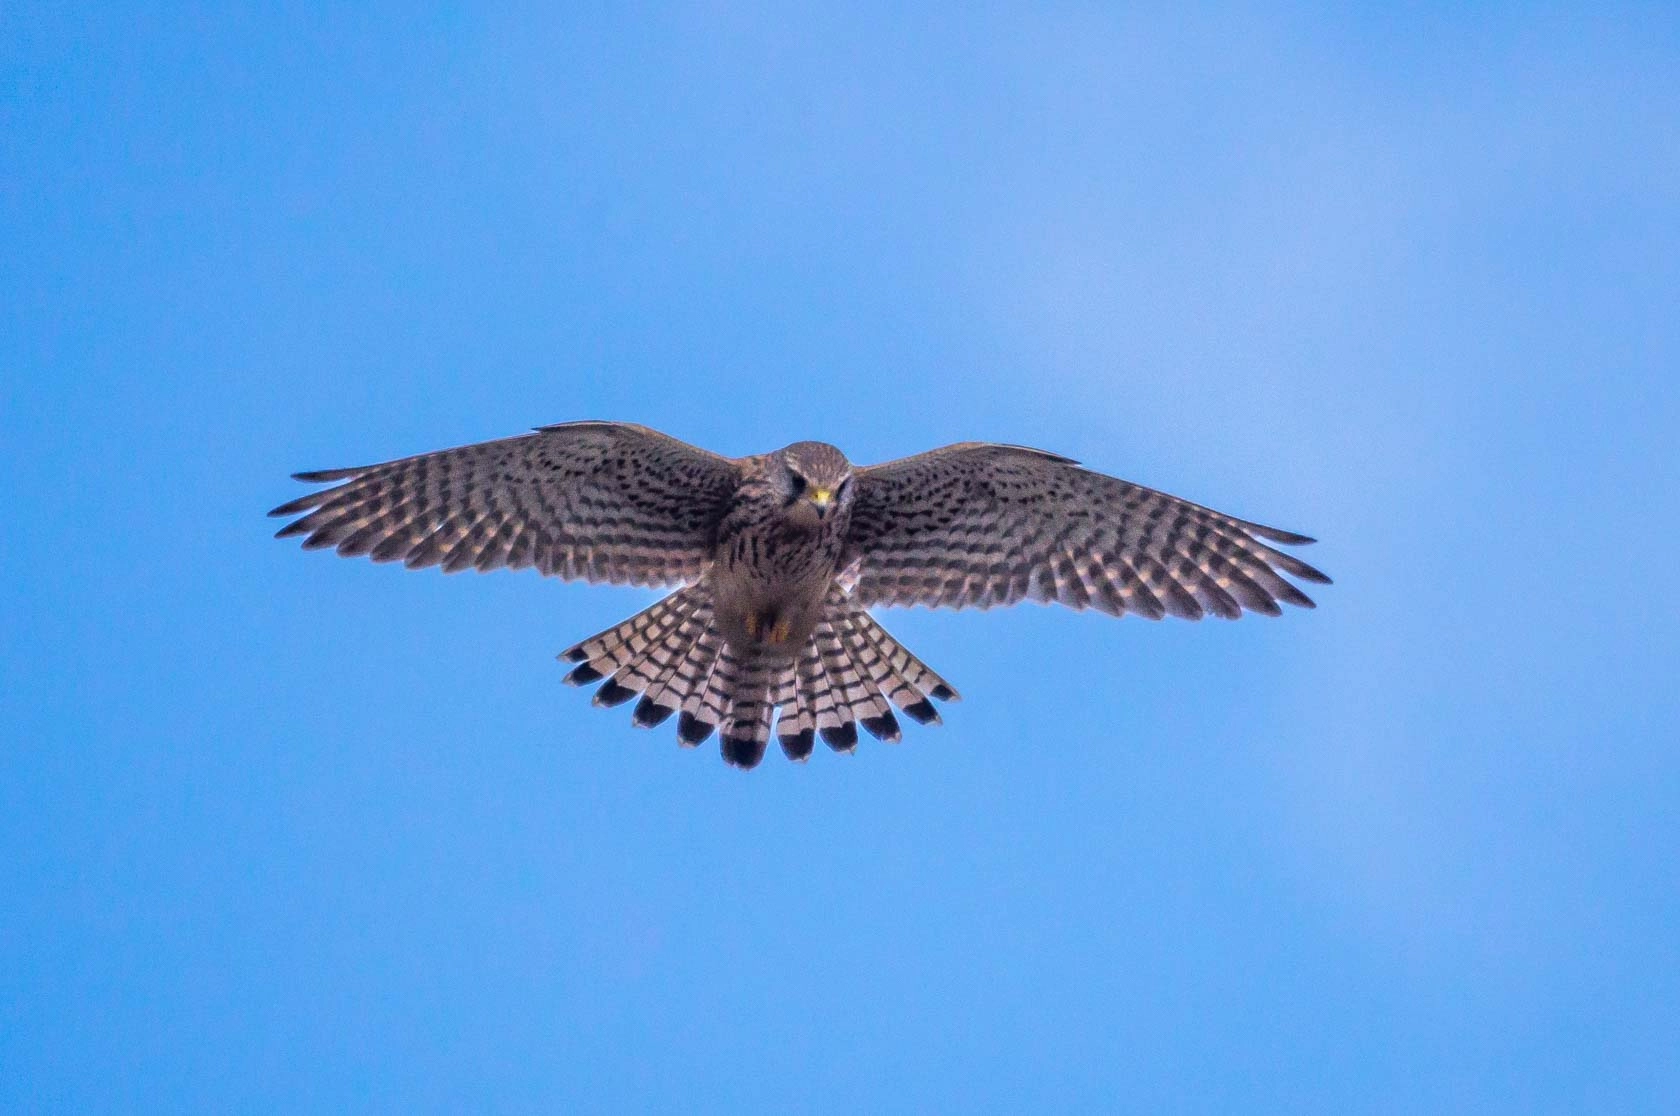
(769, 584)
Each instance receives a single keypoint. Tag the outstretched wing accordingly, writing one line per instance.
(978, 524)
(601, 501)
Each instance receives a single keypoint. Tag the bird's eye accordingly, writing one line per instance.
(798, 485)
(844, 484)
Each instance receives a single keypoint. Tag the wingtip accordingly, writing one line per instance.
(1278, 535)
(1310, 573)
(296, 506)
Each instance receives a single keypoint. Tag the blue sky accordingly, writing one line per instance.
(285, 831)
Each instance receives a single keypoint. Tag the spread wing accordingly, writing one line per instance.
(600, 501)
(977, 524)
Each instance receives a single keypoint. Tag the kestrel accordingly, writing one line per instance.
(781, 555)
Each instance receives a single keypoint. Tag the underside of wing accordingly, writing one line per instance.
(978, 524)
(598, 501)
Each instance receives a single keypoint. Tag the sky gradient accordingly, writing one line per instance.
(284, 831)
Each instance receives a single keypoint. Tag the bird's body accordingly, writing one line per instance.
(780, 556)
(777, 551)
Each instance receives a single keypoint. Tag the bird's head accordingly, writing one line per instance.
(816, 482)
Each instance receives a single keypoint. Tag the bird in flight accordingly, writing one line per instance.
(780, 556)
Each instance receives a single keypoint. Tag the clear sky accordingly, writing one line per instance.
(280, 830)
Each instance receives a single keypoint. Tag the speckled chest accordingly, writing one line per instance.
(774, 556)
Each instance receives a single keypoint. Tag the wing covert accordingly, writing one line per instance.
(597, 501)
(979, 524)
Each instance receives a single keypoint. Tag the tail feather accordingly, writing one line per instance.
(665, 653)
(875, 711)
(695, 646)
(702, 704)
(826, 710)
(746, 727)
(903, 678)
(707, 706)
(843, 687)
(625, 642)
(911, 674)
(624, 646)
(850, 672)
(797, 696)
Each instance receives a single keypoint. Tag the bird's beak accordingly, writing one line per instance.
(822, 497)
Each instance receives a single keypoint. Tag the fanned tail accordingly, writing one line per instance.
(850, 672)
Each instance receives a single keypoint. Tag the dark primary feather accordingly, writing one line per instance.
(594, 500)
(979, 524)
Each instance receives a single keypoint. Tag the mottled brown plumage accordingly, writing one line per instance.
(781, 554)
